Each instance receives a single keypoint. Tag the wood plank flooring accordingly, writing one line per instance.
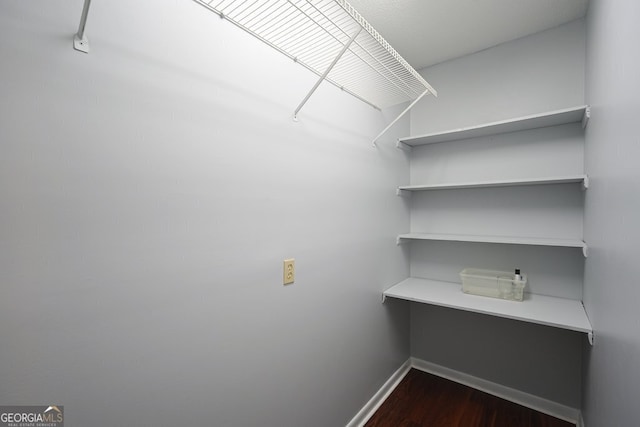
(425, 400)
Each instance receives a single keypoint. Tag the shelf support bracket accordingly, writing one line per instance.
(585, 251)
(585, 182)
(80, 42)
(384, 297)
(590, 336)
(402, 146)
(415, 101)
(586, 116)
(326, 73)
(402, 193)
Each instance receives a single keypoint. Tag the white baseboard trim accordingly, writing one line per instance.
(545, 406)
(539, 404)
(380, 396)
(580, 422)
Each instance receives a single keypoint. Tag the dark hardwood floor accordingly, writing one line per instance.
(425, 400)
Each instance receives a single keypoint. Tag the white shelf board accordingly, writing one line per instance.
(532, 241)
(541, 309)
(499, 183)
(552, 118)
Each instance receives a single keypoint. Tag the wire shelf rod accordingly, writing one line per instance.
(270, 12)
(301, 26)
(288, 37)
(349, 69)
(265, 14)
(389, 73)
(275, 23)
(332, 20)
(324, 76)
(367, 57)
(83, 18)
(247, 7)
(390, 78)
(400, 115)
(80, 42)
(311, 54)
(302, 48)
(326, 30)
(306, 30)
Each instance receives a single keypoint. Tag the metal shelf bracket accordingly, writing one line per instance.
(585, 251)
(586, 117)
(80, 42)
(590, 336)
(585, 182)
(415, 101)
(402, 146)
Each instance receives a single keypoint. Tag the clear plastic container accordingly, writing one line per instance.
(492, 283)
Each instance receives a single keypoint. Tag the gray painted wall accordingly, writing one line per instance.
(149, 192)
(612, 208)
(541, 72)
(538, 73)
(536, 359)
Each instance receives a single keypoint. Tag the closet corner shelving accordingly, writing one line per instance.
(540, 309)
(508, 240)
(578, 114)
(569, 179)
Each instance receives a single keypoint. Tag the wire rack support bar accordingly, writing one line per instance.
(80, 42)
(400, 116)
(326, 73)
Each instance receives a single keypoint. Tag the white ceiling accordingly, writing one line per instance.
(426, 32)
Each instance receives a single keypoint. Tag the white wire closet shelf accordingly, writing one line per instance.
(331, 39)
(328, 37)
(313, 32)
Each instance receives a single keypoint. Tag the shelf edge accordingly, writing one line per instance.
(485, 129)
(551, 323)
(529, 241)
(569, 179)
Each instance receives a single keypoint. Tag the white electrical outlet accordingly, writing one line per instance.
(289, 271)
